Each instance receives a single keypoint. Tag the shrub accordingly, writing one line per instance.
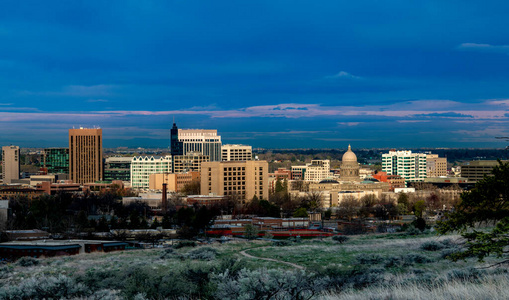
(183, 244)
(61, 287)
(169, 253)
(268, 284)
(340, 238)
(5, 271)
(416, 258)
(202, 253)
(432, 246)
(369, 259)
(419, 223)
(465, 274)
(366, 277)
(413, 231)
(447, 253)
(448, 243)
(393, 262)
(281, 243)
(27, 261)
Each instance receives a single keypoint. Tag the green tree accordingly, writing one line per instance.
(300, 213)
(279, 186)
(487, 203)
(403, 199)
(419, 207)
(250, 232)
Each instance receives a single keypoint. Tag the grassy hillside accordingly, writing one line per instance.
(394, 266)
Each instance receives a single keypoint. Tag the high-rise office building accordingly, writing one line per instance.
(175, 144)
(117, 168)
(85, 155)
(10, 163)
(204, 141)
(411, 166)
(56, 160)
(236, 153)
(244, 179)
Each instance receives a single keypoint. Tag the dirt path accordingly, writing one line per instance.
(243, 252)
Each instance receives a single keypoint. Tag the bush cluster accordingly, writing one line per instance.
(432, 246)
(183, 244)
(61, 287)
(369, 259)
(27, 261)
(340, 238)
(202, 253)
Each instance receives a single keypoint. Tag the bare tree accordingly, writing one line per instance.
(348, 208)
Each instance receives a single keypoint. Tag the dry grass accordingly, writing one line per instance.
(488, 287)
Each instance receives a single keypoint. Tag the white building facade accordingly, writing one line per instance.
(411, 166)
(317, 170)
(143, 166)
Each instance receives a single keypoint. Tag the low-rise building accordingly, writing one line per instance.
(475, 170)
(48, 248)
(175, 182)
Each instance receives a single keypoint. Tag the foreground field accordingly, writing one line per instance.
(395, 266)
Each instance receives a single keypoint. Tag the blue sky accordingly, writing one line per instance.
(273, 74)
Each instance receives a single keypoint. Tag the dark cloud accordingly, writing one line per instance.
(358, 62)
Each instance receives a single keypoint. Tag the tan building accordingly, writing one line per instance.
(243, 179)
(85, 155)
(236, 153)
(475, 170)
(174, 181)
(10, 163)
(436, 166)
(189, 162)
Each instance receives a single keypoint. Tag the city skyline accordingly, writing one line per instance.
(266, 74)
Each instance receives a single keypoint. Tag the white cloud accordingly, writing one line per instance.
(484, 47)
(343, 75)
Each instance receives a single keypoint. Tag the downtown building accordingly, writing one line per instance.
(411, 166)
(189, 162)
(236, 153)
(10, 163)
(315, 171)
(143, 166)
(241, 180)
(117, 168)
(436, 166)
(204, 141)
(85, 155)
(56, 160)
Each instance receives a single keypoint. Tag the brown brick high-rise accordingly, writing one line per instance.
(85, 155)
